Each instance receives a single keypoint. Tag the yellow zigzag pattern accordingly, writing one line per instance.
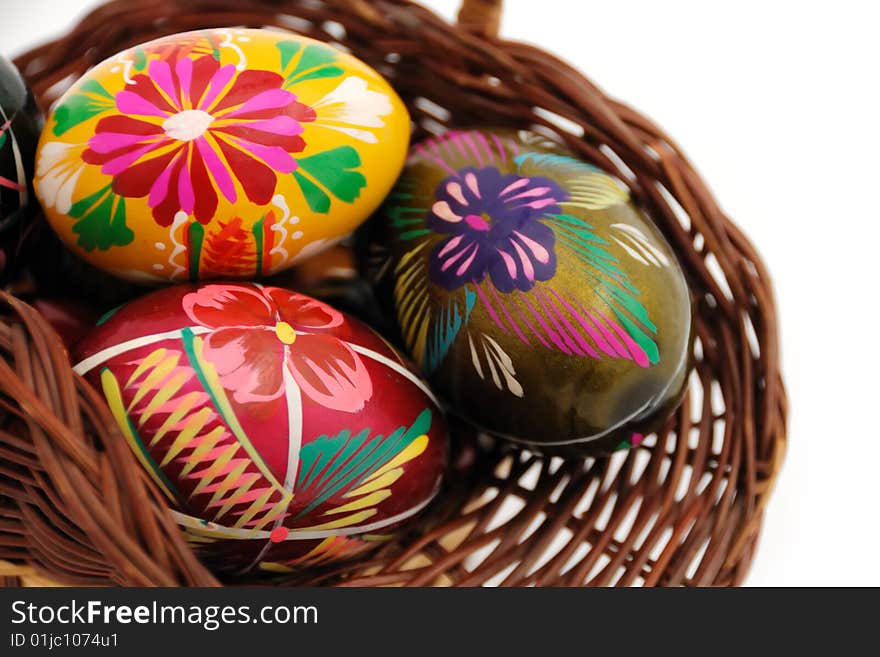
(200, 441)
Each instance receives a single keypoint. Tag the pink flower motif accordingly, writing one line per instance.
(261, 335)
(200, 128)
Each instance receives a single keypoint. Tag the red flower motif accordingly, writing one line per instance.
(200, 127)
(263, 335)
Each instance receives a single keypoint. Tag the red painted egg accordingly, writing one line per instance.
(283, 432)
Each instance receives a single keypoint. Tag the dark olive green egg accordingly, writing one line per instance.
(543, 305)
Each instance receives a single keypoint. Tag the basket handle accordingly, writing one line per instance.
(481, 17)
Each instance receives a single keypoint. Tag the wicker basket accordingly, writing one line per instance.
(685, 507)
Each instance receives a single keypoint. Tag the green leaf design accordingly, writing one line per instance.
(315, 61)
(335, 172)
(316, 198)
(315, 55)
(257, 231)
(327, 72)
(4, 130)
(445, 326)
(332, 464)
(287, 49)
(107, 315)
(611, 283)
(196, 239)
(101, 221)
(91, 100)
(140, 59)
(407, 218)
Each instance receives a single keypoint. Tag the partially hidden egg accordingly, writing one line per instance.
(283, 432)
(72, 319)
(218, 154)
(20, 125)
(542, 303)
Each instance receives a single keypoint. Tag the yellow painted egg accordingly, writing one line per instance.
(224, 153)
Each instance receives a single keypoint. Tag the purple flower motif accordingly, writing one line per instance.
(494, 224)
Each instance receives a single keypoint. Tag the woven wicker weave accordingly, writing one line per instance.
(683, 508)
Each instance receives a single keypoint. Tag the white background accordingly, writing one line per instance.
(777, 103)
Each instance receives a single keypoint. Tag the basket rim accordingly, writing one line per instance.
(65, 419)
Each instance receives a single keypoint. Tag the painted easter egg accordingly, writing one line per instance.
(283, 432)
(225, 153)
(20, 125)
(542, 304)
